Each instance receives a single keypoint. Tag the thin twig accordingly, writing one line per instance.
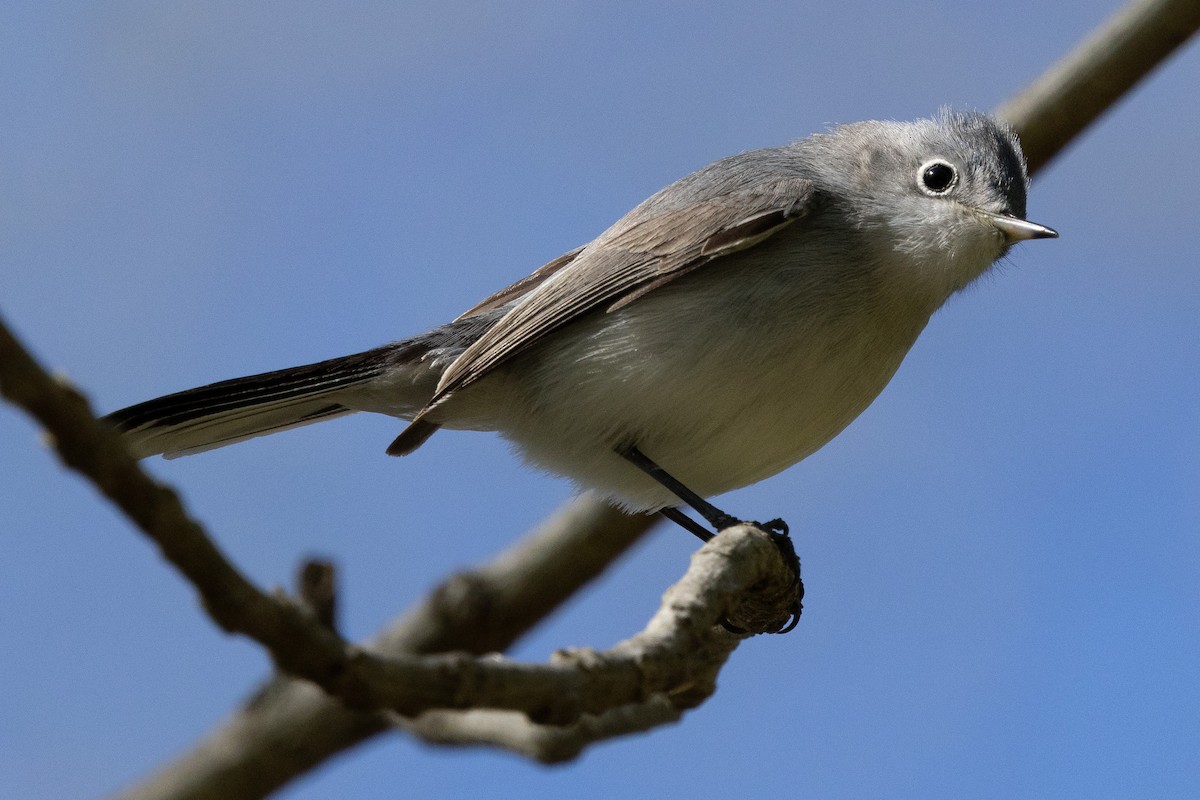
(550, 745)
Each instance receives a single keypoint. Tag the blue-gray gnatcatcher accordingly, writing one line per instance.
(719, 332)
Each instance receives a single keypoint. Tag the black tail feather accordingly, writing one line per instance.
(233, 410)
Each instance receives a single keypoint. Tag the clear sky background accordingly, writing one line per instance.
(1001, 554)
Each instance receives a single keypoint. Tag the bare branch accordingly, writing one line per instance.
(1059, 105)
(645, 681)
(300, 644)
(677, 656)
(486, 610)
(317, 590)
(656, 674)
(681, 650)
(291, 726)
(549, 745)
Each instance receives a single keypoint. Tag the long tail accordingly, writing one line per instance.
(231, 411)
(397, 379)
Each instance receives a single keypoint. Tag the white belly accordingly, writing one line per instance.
(722, 382)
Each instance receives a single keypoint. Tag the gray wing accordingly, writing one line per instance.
(521, 287)
(674, 232)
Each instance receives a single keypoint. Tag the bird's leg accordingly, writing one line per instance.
(687, 523)
(713, 515)
(719, 520)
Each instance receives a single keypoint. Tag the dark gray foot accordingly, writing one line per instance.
(719, 520)
(777, 529)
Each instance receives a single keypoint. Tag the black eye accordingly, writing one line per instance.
(937, 177)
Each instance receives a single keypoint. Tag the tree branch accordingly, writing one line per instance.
(681, 649)
(514, 732)
(1088, 81)
(677, 656)
(296, 640)
(291, 726)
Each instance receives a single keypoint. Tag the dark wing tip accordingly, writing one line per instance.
(412, 437)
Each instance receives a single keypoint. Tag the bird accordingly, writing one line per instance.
(719, 332)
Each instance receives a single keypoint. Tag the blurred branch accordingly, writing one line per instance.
(676, 657)
(316, 588)
(516, 733)
(673, 663)
(1067, 98)
(292, 726)
(297, 641)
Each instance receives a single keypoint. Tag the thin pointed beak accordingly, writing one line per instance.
(1018, 230)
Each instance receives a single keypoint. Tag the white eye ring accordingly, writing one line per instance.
(937, 177)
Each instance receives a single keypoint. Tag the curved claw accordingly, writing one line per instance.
(778, 531)
(787, 627)
(776, 525)
(787, 549)
(794, 619)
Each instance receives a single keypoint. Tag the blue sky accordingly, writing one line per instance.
(1001, 553)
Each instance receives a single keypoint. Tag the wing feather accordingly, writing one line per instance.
(655, 243)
